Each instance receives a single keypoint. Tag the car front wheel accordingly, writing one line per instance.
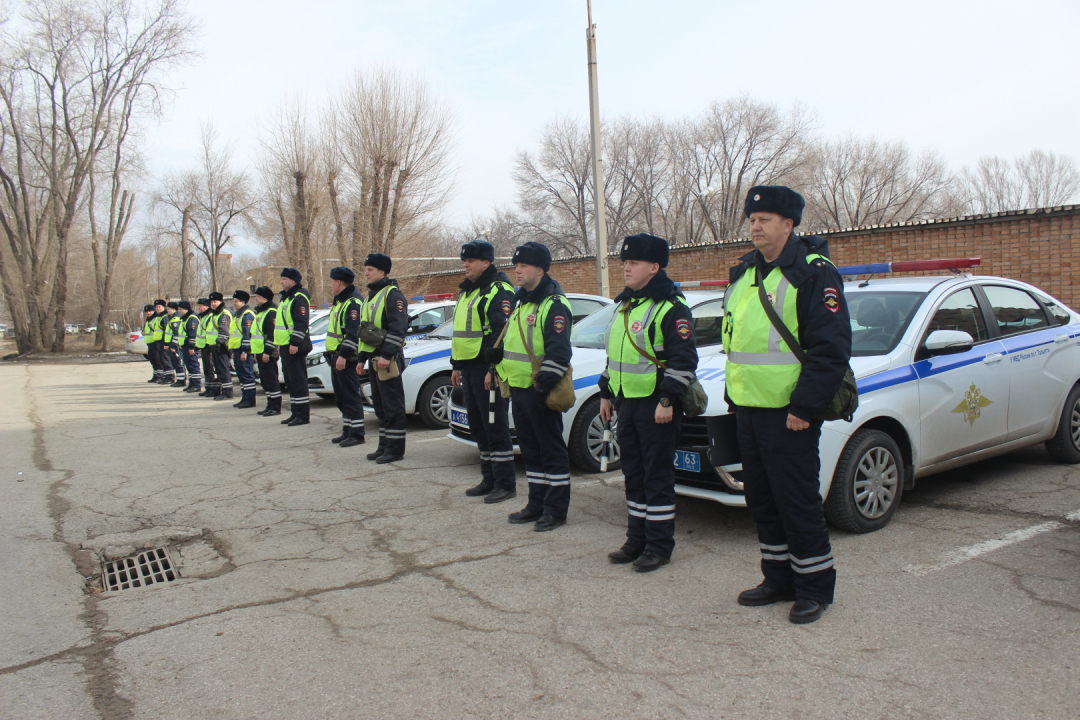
(433, 402)
(1065, 445)
(867, 484)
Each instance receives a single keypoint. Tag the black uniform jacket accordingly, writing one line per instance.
(300, 313)
(268, 323)
(396, 313)
(677, 331)
(824, 327)
(557, 327)
(496, 312)
(350, 325)
(222, 322)
(191, 330)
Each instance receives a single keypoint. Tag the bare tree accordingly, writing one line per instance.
(1040, 179)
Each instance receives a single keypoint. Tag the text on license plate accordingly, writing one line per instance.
(459, 418)
(685, 460)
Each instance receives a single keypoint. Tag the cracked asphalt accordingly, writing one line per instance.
(319, 585)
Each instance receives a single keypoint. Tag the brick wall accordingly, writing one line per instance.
(1041, 247)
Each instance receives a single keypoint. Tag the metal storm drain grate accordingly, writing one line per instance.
(151, 567)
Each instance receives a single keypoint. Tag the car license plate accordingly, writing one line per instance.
(459, 418)
(689, 461)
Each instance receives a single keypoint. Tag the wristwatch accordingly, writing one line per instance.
(665, 402)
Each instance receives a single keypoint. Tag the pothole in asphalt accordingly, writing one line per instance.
(151, 567)
(151, 557)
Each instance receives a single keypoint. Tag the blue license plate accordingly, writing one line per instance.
(689, 461)
(459, 418)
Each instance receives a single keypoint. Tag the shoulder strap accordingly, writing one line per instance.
(629, 336)
(521, 331)
(777, 323)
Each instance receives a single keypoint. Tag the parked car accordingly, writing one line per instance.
(582, 428)
(136, 343)
(951, 370)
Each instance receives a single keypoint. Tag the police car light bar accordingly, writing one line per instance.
(431, 298)
(909, 266)
(701, 284)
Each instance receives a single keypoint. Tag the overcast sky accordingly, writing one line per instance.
(963, 78)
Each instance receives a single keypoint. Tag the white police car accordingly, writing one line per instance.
(582, 428)
(426, 312)
(951, 370)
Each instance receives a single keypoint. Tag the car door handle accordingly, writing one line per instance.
(1061, 338)
(992, 358)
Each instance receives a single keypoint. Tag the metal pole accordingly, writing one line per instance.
(598, 169)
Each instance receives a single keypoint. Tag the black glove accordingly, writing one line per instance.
(493, 355)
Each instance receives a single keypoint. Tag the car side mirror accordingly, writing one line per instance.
(948, 342)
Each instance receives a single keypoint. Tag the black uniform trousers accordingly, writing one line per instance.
(388, 399)
(647, 449)
(268, 377)
(213, 385)
(346, 384)
(222, 370)
(176, 365)
(547, 462)
(245, 374)
(153, 351)
(191, 362)
(294, 368)
(781, 469)
(492, 438)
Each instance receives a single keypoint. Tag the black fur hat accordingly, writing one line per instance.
(241, 296)
(643, 246)
(148, 308)
(344, 274)
(205, 302)
(478, 250)
(184, 305)
(777, 199)
(159, 302)
(533, 253)
(174, 305)
(380, 261)
(265, 292)
(216, 296)
(293, 274)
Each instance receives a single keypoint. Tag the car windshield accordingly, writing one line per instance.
(320, 326)
(443, 332)
(707, 317)
(879, 319)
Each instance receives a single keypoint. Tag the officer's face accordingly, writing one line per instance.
(769, 233)
(373, 274)
(237, 303)
(475, 268)
(638, 273)
(214, 304)
(159, 308)
(202, 308)
(528, 276)
(336, 286)
(286, 283)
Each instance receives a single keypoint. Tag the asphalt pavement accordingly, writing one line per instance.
(316, 584)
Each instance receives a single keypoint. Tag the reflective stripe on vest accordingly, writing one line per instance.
(258, 342)
(168, 327)
(630, 373)
(372, 312)
(469, 327)
(209, 328)
(516, 366)
(217, 324)
(335, 331)
(236, 330)
(147, 330)
(181, 331)
(761, 370)
(283, 324)
(156, 328)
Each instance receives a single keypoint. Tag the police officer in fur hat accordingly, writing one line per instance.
(174, 371)
(294, 342)
(479, 318)
(651, 361)
(343, 353)
(206, 343)
(264, 349)
(240, 347)
(155, 343)
(778, 400)
(187, 343)
(222, 318)
(148, 331)
(385, 310)
(539, 328)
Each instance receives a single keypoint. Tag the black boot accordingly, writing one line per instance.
(352, 440)
(289, 419)
(342, 437)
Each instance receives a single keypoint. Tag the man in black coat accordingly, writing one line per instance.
(343, 353)
(294, 342)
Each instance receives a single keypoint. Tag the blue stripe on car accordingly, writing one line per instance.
(430, 356)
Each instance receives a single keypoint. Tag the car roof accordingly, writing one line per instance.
(429, 305)
(902, 284)
(696, 297)
(587, 296)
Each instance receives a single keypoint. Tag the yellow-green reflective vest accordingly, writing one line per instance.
(258, 342)
(236, 331)
(283, 323)
(200, 332)
(469, 327)
(217, 324)
(170, 328)
(148, 329)
(373, 313)
(761, 370)
(516, 367)
(209, 329)
(335, 332)
(630, 372)
(181, 330)
(156, 329)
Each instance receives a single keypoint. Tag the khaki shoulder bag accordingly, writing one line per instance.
(695, 400)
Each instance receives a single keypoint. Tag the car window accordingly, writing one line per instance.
(443, 332)
(879, 319)
(582, 308)
(425, 322)
(960, 311)
(1058, 314)
(320, 326)
(590, 332)
(708, 320)
(1015, 310)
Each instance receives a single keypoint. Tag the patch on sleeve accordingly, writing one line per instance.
(506, 307)
(831, 301)
(302, 309)
(353, 314)
(401, 306)
(682, 326)
(560, 323)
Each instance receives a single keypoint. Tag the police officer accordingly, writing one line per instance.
(294, 343)
(221, 317)
(264, 349)
(385, 309)
(148, 332)
(651, 361)
(343, 352)
(240, 347)
(776, 399)
(174, 366)
(206, 342)
(539, 327)
(189, 346)
(155, 342)
(479, 317)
